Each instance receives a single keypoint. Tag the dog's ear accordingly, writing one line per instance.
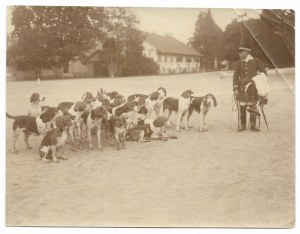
(187, 93)
(163, 89)
(215, 100)
(83, 96)
(204, 101)
(60, 122)
(79, 106)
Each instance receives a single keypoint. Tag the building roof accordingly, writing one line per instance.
(168, 44)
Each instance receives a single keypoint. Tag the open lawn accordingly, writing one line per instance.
(219, 178)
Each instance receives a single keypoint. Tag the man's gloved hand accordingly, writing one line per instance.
(236, 93)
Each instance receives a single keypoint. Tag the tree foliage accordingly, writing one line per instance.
(46, 34)
(207, 38)
(271, 39)
(124, 47)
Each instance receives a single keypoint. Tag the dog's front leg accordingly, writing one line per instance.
(15, 139)
(26, 136)
(190, 112)
(204, 122)
(62, 153)
(185, 118)
(179, 116)
(90, 139)
(201, 129)
(123, 139)
(71, 133)
(169, 113)
(117, 139)
(100, 147)
(79, 136)
(53, 148)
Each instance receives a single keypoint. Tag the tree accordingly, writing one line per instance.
(124, 46)
(46, 35)
(207, 38)
(279, 36)
(266, 43)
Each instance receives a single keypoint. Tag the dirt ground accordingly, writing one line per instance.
(219, 178)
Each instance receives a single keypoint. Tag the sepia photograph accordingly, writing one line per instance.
(149, 117)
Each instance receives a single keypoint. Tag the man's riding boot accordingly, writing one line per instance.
(253, 123)
(242, 118)
(253, 110)
(242, 128)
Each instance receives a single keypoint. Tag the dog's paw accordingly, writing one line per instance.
(201, 129)
(91, 147)
(100, 148)
(44, 159)
(73, 149)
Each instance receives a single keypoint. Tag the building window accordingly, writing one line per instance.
(166, 59)
(178, 59)
(188, 60)
(159, 58)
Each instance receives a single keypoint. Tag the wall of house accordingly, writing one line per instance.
(172, 63)
(150, 51)
(78, 69)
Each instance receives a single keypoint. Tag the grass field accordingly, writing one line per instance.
(219, 178)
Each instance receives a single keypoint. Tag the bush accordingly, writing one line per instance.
(139, 66)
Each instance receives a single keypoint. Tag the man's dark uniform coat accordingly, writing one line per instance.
(243, 73)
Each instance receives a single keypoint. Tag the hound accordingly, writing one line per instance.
(180, 106)
(55, 139)
(202, 105)
(93, 120)
(119, 124)
(126, 107)
(88, 98)
(111, 99)
(32, 125)
(159, 103)
(149, 101)
(77, 110)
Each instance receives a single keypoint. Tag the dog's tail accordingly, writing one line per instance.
(11, 116)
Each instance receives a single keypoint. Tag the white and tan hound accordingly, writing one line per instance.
(180, 106)
(202, 105)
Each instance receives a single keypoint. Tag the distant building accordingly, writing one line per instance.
(172, 55)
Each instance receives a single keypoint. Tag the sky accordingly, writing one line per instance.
(180, 22)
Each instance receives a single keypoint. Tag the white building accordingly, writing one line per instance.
(172, 55)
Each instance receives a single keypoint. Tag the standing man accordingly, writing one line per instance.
(244, 88)
(38, 75)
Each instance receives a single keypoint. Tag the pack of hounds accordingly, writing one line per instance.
(118, 117)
